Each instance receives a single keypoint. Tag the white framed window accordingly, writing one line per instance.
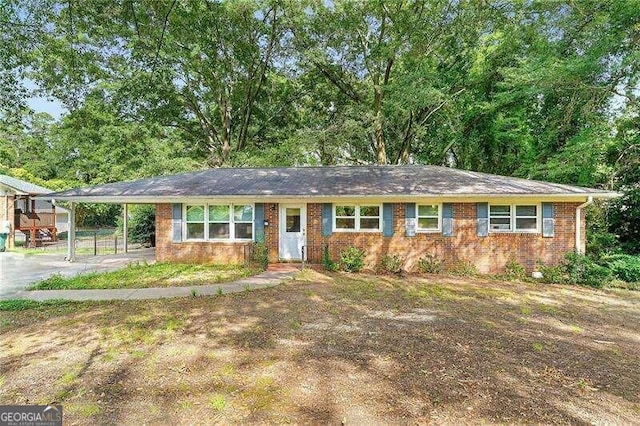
(243, 222)
(223, 222)
(429, 217)
(219, 221)
(500, 218)
(514, 218)
(526, 218)
(194, 222)
(357, 217)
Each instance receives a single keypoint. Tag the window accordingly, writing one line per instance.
(526, 218)
(243, 222)
(500, 218)
(219, 222)
(429, 217)
(224, 222)
(370, 217)
(357, 218)
(519, 218)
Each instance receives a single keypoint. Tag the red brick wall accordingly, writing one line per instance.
(489, 254)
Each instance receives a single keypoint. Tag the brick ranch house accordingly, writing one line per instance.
(412, 211)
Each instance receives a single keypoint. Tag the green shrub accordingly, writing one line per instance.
(391, 264)
(430, 264)
(352, 259)
(514, 270)
(260, 255)
(624, 267)
(327, 263)
(464, 268)
(582, 270)
(553, 274)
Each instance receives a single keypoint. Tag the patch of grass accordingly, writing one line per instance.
(537, 346)
(262, 395)
(218, 402)
(294, 324)
(525, 310)
(575, 329)
(13, 305)
(138, 353)
(173, 324)
(84, 409)
(69, 376)
(144, 276)
(432, 291)
(358, 289)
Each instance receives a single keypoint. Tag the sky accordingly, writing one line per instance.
(42, 104)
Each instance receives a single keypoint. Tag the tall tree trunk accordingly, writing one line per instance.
(225, 118)
(378, 127)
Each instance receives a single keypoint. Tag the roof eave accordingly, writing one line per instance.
(148, 199)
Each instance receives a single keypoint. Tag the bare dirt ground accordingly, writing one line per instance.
(335, 348)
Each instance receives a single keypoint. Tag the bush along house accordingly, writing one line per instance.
(411, 211)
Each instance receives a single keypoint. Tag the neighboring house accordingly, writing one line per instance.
(36, 219)
(410, 211)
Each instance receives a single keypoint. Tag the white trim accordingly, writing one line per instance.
(512, 219)
(232, 231)
(427, 230)
(282, 225)
(357, 217)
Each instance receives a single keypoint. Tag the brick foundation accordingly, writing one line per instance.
(489, 254)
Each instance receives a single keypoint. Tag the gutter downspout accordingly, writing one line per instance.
(589, 201)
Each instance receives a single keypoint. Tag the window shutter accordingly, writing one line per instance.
(410, 219)
(447, 219)
(327, 219)
(387, 219)
(482, 210)
(259, 223)
(548, 222)
(176, 223)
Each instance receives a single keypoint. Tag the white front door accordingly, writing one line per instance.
(293, 229)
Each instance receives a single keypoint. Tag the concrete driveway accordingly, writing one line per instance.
(18, 270)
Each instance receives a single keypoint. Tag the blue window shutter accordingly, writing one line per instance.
(176, 223)
(410, 219)
(482, 210)
(447, 219)
(387, 219)
(259, 223)
(327, 219)
(548, 222)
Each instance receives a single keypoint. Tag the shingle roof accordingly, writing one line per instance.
(23, 186)
(338, 181)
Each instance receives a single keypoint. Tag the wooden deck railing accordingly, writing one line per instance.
(35, 220)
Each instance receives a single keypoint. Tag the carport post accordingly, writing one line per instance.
(125, 226)
(71, 238)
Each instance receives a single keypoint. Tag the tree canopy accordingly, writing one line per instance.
(537, 89)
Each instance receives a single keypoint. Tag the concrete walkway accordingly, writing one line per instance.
(270, 278)
(19, 270)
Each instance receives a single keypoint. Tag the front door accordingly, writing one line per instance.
(293, 228)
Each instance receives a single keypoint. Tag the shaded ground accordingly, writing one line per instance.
(350, 348)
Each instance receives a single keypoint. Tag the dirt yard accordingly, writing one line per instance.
(343, 348)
